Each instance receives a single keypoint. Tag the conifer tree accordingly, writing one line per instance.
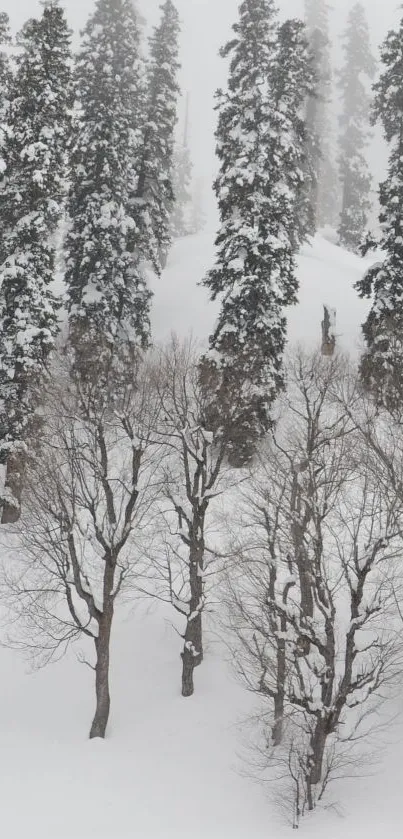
(155, 195)
(355, 177)
(5, 82)
(382, 362)
(324, 192)
(32, 204)
(254, 275)
(294, 82)
(182, 180)
(108, 301)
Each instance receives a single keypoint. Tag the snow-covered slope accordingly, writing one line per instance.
(171, 767)
(327, 276)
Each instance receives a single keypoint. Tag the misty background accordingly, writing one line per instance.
(206, 25)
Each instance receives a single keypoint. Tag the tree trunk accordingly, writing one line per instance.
(103, 701)
(11, 512)
(279, 700)
(328, 331)
(192, 654)
(277, 730)
(318, 745)
(309, 795)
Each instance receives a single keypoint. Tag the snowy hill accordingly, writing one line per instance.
(170, 767)
(327, 275)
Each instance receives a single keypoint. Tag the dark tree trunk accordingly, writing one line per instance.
(11, 512)
(279, 700)
(192, 654)
(103, 701)
(318, 745)
(309, 795)
(298, 531)
(277, 731)
(326, 723)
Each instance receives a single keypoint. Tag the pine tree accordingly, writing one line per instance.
(382, 362)
(182, 180)
(155, 195)
(257, 187)
(355, 177)
(108, 301)
(324, 195)
(35, 143)
(294, 82)
(5, 82)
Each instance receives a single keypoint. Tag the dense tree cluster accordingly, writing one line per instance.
(263, 486)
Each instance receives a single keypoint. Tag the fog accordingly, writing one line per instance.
(206, 25)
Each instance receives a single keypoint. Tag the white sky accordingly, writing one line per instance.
(206, 26)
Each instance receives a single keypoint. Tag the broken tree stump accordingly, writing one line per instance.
(329, 331)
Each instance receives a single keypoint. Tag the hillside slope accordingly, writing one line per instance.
(170, 767)
(327, 275)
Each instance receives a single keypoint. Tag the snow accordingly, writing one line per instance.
(180, 305)
(326, 272)
(162, 753)
(171, 768)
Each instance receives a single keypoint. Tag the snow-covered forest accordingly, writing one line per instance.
(201, 412)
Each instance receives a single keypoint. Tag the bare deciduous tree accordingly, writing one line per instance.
(194, 473)
(89, 489)
(312, 603)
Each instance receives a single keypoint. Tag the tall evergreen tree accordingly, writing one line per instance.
(254, 275)
(182, 180)
(32, 203)
(5, 82)
(108, 300)
(324, 192)
(155, 195)
(382, 362)
(294, 83)
(355, 177)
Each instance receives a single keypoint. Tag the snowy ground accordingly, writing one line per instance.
(327, 276)
(170, 767)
